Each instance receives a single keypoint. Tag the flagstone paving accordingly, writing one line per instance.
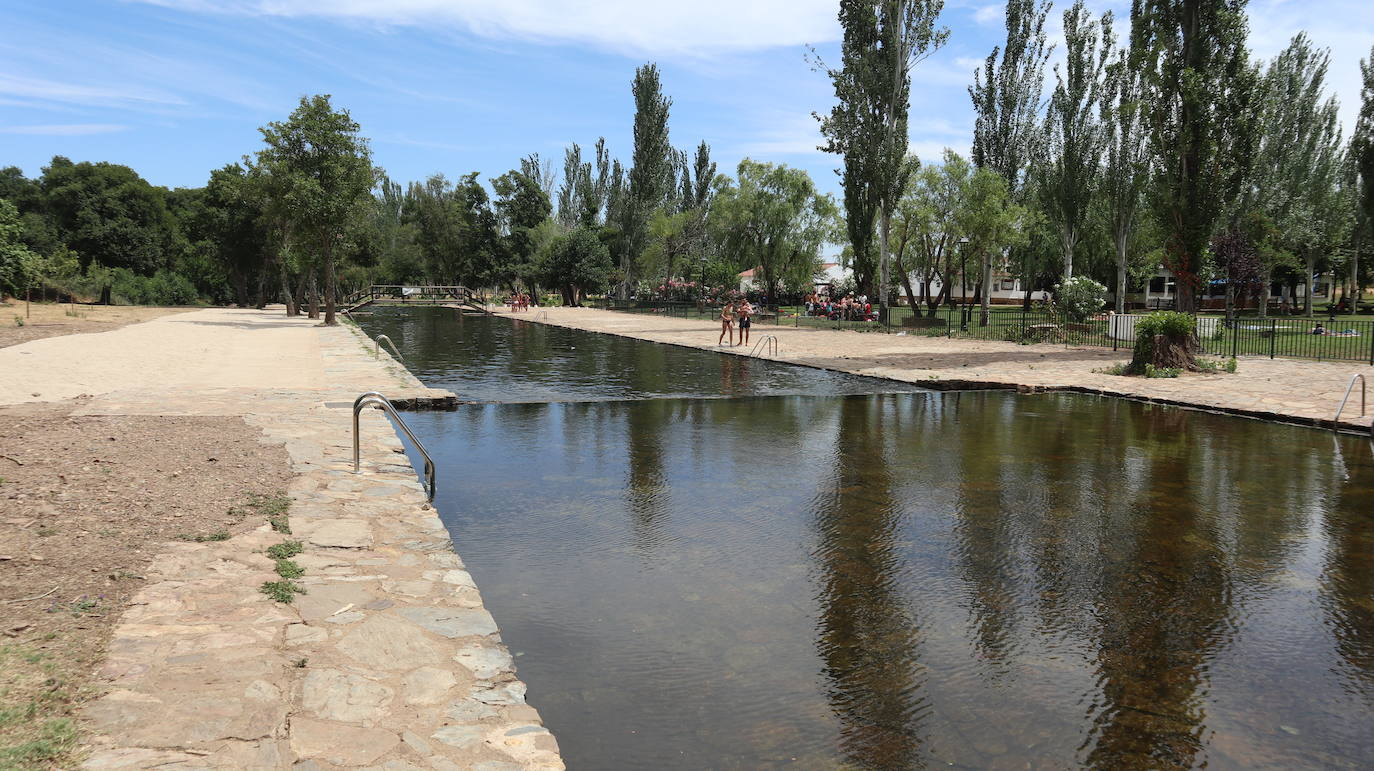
(388, 660)
(1291, 390)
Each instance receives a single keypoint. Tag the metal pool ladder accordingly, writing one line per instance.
(767, 344)
(375, 399)
(1360, 377)
(378, 347)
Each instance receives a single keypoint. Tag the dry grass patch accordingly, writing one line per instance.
(87, 503)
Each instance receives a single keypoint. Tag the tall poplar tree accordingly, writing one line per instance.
(883, 42)
(1074, 135)
(1006, 100)
(1299, 158)
(1201, 91)
(1126, 169)
(1362, 163)
(652, 174)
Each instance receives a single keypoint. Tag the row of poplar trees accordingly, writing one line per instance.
(1233, 167)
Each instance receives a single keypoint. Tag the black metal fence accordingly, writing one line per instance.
(1287, 337)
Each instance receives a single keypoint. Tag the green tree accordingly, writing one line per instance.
(927, 228)
(521, 205)
(110, 215)
(882, 43)
(230, 222)
(773, 219)
(651, 178)
(18, 265)
(1074, 136)
(1006, 104)
(1299, 160)
(575, 263)
(1201, 88)
(327, 170)
(1362, 165)
(993, 226)
(1126, 169)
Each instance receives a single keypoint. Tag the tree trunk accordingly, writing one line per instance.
(291, 308)
(1066, 243)
(987, 289)
(1355, 276)
(1308, 283)
(906, 286)
(1266, 287)
(240, 281)
(1120, 274)
(330, 283)
(1185, 294)
(884, 257)
(305, 290)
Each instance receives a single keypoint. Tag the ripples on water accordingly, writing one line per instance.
(921, 580)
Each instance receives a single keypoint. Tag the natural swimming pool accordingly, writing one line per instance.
(909, 579)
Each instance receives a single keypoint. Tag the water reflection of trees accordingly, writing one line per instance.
(868, 636)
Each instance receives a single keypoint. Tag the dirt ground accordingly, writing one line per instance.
(85, 503)
(20, 324)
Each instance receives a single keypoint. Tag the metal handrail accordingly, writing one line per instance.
(376, 399)
(540, 315)
(1360, 377)
(768, 343)
(378, 347)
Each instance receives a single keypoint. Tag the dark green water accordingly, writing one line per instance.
(493, 359)
(979, 580)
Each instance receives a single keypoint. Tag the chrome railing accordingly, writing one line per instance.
(1360, 377)
(378, 347)
(766, 344)
(375, 399)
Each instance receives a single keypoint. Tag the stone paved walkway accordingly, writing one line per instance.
(1305, 392)
(389, 659)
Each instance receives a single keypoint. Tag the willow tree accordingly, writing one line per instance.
(1006, 100)
(1200, 91)
(1074, 136)
(772, 217)
(883, 42)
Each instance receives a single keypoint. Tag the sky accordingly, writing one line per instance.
(175, 88)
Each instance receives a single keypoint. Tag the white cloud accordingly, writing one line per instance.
(64, 129)
(786, 134)
(56, 91)
(653, 28)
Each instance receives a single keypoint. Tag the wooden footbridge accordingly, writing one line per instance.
(398, 294)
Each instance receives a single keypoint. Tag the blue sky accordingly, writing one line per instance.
(175, 88)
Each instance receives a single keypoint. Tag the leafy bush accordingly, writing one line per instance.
(1180, 343)
(1168, 323)
(1080, 297)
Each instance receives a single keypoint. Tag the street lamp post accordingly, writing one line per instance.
(963, 283)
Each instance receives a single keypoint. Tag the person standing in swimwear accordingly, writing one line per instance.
(745, 310)
(727, 323)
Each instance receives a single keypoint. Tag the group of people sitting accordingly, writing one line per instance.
(1321, 329)
(847, 308)
(519, 301)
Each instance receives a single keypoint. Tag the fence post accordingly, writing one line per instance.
(1273, 335)
(1370, 328)
(1235, 337)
